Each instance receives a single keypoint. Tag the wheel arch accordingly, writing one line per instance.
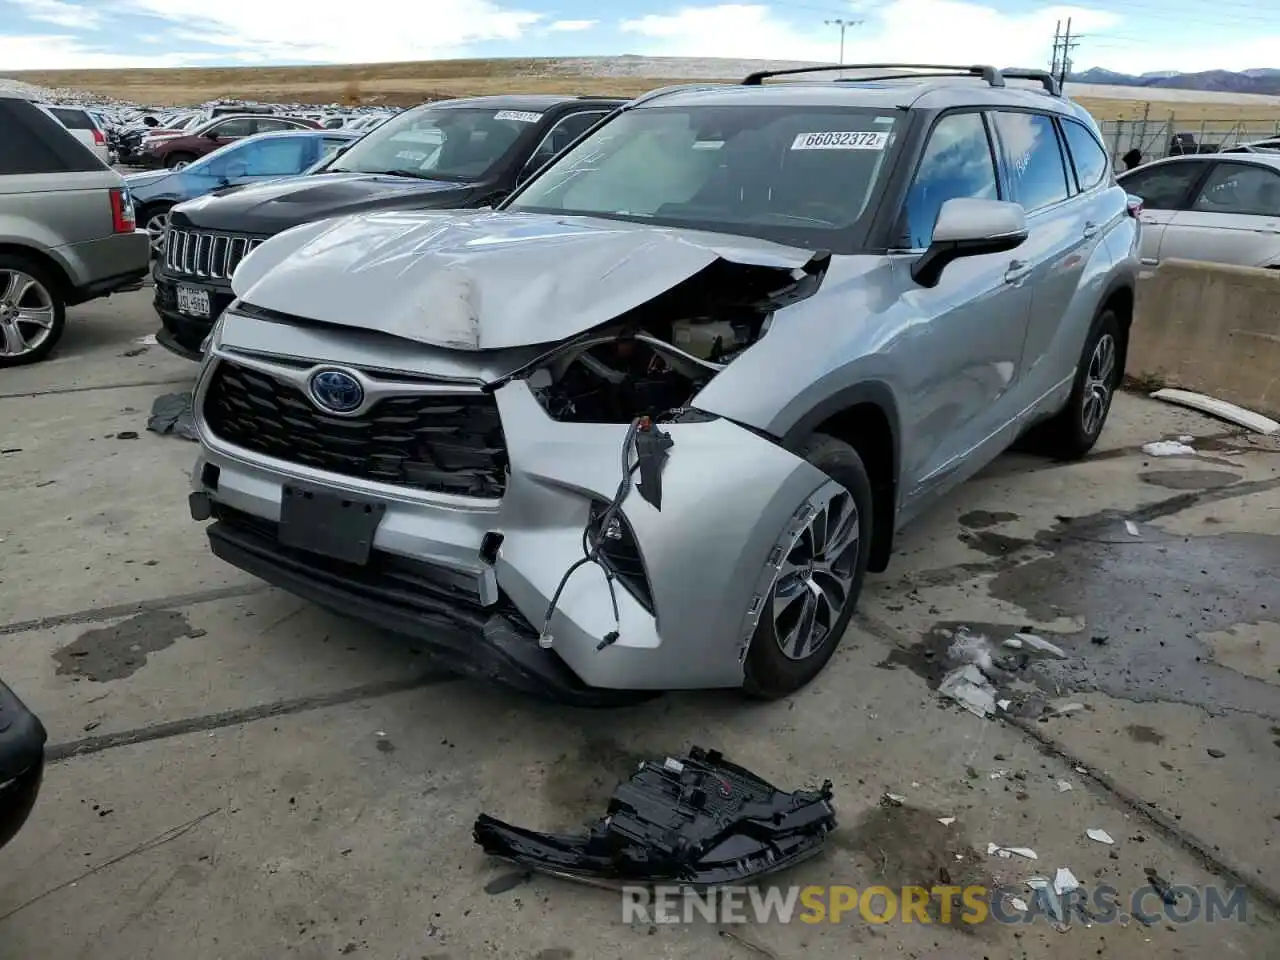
(1120, 298)
(57, 270)
(865, 416)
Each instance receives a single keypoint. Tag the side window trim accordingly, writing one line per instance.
(1070, 154)
(900, 221)
(1074, 187)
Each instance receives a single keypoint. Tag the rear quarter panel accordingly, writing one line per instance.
(58, 214)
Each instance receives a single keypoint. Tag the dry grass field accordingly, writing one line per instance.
(403, 84)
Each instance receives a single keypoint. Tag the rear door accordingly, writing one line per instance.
(1064, 225)
(1165, 188)
(1233, 218)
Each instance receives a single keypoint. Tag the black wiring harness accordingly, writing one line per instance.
(591, 542)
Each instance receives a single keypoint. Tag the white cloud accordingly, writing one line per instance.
(58, 12)
(61, 52)
(571, 26)
(315, 30)
(914, 31)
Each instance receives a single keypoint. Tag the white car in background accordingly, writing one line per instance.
(83, 125)
(1222, 207)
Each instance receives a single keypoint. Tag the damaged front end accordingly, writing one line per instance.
(699, 821)
(561, 519)
(651, 361)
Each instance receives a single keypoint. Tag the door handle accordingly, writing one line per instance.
(1090, 229)
(1017, 270)
(1268, 230)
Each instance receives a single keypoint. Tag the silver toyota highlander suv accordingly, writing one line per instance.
(647, 425)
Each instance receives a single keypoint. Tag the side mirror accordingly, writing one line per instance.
(211, 134)
(969, 227)
(235, 170)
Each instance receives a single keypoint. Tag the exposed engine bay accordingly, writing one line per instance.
(653, 360)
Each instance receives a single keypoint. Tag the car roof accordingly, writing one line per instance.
(302, 132)
(923, 93)
(521, 101)
(1271, 160)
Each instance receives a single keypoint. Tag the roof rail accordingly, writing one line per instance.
(990, 74)
(1049, 81)
(673, 88)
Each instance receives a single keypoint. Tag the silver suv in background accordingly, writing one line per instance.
(647, 425)
(84, 126)
(67, 231)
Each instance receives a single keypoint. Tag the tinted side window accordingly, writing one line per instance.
(1240, 188)
(563, 133)
(239, 127)
(1033, 159)
(265, 125)
(33, 142)
(275, 157)
(1163, 186)
(957, 162)
(72, 119)
(1089, 158)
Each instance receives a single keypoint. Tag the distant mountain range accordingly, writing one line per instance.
(1265, 81)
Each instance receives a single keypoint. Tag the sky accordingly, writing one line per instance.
(1132, 36)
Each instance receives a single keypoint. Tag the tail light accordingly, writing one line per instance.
(1135, 206)
(99, 137)
(122, 216)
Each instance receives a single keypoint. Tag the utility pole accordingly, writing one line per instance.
(1057, 45)
(1069, 43)
(843, 25)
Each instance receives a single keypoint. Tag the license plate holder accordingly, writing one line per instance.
(336, 525)
(193, 301)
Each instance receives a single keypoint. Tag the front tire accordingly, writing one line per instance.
(1072, 432)
(155, 220)
(33, 311)
(176, 161)
(819, 579)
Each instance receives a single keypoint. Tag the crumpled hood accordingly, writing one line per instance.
(483, 280)
(275, 205)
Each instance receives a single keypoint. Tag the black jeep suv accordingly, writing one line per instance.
(452, 154)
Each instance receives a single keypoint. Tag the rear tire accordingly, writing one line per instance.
(1072, 432)
(780, 661)
(33, 310)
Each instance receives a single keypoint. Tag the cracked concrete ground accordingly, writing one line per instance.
(236, 773)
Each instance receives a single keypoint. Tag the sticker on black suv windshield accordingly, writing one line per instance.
(522, 116)
(841, 140)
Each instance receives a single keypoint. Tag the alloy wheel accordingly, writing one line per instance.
(816, 575)
(1098, 385)
(156, 226)
(180, 164)
(26, 313)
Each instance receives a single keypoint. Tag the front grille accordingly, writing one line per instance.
(446, 444)
(200, 253)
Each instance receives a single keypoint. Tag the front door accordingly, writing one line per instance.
(964, 356)
(1165, 188)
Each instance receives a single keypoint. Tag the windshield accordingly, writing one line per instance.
(793, 175)
(438, 143)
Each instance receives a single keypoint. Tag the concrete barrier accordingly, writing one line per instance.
(1211, 328)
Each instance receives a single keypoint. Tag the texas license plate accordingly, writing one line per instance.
(193, 301)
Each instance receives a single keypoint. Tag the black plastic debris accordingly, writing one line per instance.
(652, 445)
(171, 413)
(698, 821)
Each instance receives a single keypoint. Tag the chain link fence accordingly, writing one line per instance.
(1160, 134)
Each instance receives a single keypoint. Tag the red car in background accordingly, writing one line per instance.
(176, 150)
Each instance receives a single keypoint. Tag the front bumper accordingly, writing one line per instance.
(22, 739)
(181, 333)
(728, 497)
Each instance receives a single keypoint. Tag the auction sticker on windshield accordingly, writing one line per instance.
(841, 140)
(522, 116)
